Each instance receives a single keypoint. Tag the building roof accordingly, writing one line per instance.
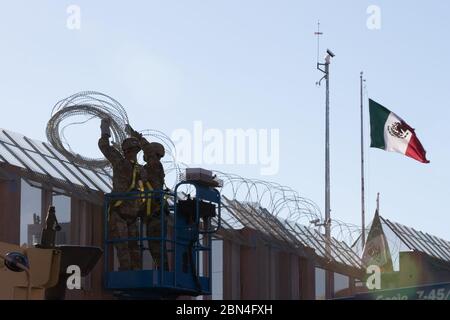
(40, 164)
(420, 241)
(285, 233)
(401, 238)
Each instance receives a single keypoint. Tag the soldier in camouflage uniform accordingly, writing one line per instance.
(153, 152)
(128, 176)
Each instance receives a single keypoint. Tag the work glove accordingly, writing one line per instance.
(133, 132)
(105, 127)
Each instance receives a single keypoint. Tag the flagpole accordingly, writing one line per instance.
(378, 203)
(363, 214)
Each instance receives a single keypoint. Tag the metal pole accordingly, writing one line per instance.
(327, 151)
(378, 203)
(363, 215)
(329, 278)
(329, 274)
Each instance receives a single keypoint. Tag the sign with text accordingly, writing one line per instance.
(431, 292)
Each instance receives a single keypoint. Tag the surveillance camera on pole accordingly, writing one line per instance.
(328, 57)
(330, 53)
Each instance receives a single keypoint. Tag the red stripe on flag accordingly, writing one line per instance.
(415, 149)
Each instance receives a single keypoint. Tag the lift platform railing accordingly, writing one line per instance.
(112, 198)
(191, 218)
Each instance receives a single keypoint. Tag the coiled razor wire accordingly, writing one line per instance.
(93, 105)
(279, 200)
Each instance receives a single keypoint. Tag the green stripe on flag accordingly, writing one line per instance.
(378, 118)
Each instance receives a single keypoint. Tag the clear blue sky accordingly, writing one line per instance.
(250, 64)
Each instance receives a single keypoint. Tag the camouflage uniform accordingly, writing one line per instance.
(155, 177)
(123, 214)
(155, 172)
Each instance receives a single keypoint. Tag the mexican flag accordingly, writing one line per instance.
(376, 249)
(389, 132)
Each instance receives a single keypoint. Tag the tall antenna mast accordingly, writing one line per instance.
(329, 278)
(318, 34)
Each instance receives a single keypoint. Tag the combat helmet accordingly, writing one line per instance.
(155, 148)
(130, 143)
